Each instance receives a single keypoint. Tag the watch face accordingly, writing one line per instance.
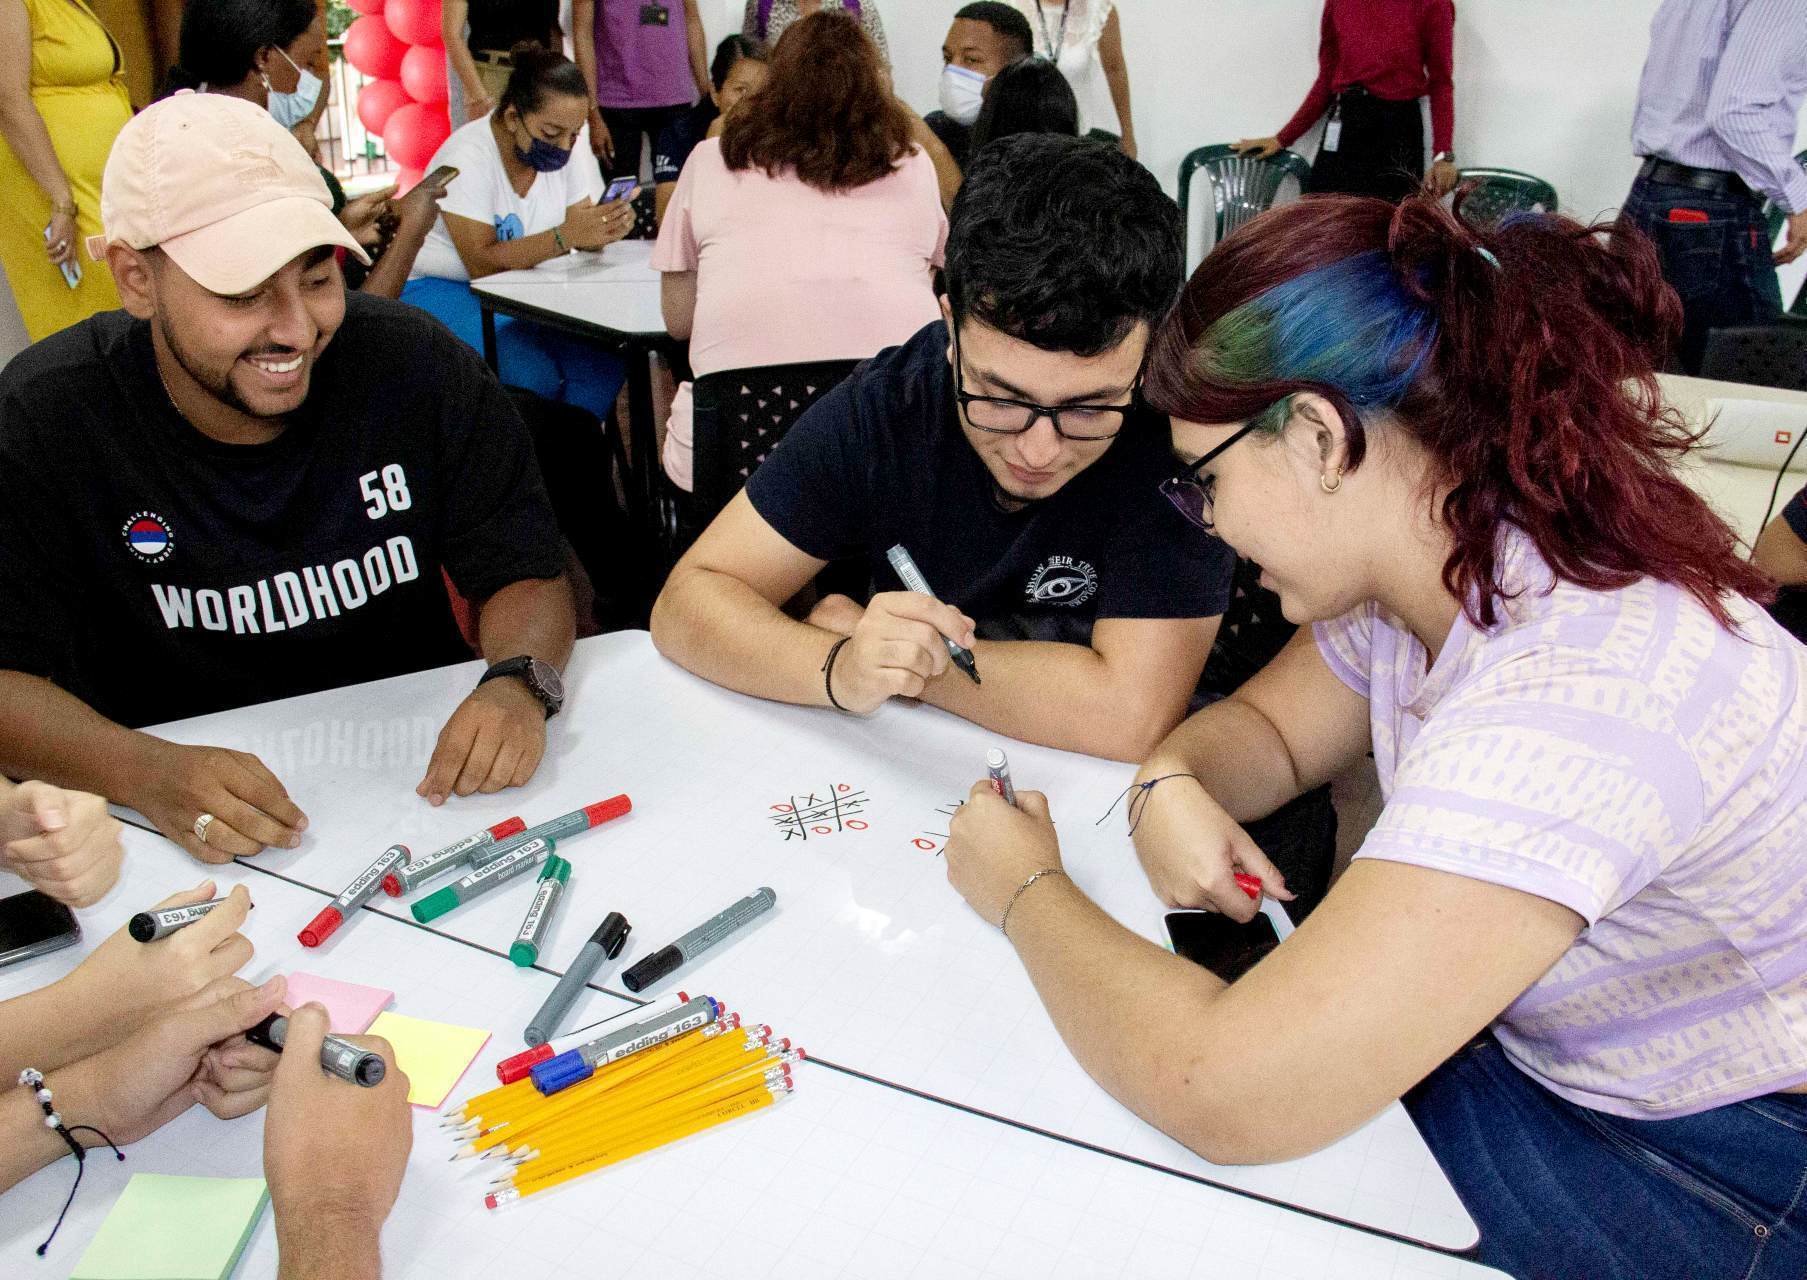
(546, 676)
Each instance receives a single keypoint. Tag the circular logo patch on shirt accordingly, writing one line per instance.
(1062, 580)
(148, 535)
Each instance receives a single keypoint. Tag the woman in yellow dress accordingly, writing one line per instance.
(62, 101)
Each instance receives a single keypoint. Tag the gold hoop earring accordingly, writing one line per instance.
(1329, 485)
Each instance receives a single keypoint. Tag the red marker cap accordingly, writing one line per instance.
(521, 1065)
(1250, 885)
(502, 830)
(321, 927)
(603, 810)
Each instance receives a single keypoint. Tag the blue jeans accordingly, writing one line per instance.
(1721, 268)
(1569, 1193)
(540, 360)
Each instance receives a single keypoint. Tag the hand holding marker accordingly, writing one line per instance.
(149, 926)
(338, 1057)
(913, 579)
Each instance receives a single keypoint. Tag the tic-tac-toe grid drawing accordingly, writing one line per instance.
(870, 956)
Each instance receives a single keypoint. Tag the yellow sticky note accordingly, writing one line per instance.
(435, 1055)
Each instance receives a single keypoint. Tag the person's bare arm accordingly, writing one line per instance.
(1396, 970)
(24, 129)
(677, 301)
(1116, 75)
(453, 14)
(1781, 554)
(698, 46)
(583, 48)
(48, 733)
(1116, 698)
(720, 613)
(418, 210)
(947, 170)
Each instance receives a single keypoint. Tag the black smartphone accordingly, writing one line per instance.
(440, 177)
(619, 189)
(1220, 944)
(34, 924)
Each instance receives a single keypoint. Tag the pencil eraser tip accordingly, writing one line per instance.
(321, 927)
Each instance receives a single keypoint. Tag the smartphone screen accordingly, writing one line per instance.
(33, 924)
(1220, 944)
(619, 189)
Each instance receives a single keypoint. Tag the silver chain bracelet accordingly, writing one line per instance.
(1021, 889)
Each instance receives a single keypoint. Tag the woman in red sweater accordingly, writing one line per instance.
(1376, 58)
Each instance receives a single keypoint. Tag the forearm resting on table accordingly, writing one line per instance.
(1236, 754)
(49, 734)
(1057, 695)
(52, 1027)
(325, 1245)
(717, 626)
(27, 1144)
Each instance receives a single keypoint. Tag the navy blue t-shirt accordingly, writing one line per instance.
(882, 459)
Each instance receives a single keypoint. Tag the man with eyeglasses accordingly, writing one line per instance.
(1006, 449)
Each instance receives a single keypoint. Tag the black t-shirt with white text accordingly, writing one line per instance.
(882, 459)
(157, 573)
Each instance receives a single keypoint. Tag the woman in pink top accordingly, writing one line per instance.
(809, 230)
(1575, 941)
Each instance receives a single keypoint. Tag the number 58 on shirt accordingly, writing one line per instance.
(392, 495)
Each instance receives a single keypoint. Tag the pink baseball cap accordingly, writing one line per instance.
(219, 186)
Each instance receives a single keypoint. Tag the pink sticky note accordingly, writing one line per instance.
(351, 1006)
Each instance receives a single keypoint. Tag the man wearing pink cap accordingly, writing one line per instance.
(245, 486)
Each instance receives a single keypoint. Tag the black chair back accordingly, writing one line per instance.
(740, 415)
(1765, 355)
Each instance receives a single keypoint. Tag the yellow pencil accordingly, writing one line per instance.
(713, 1058)
(593, 1132)
(696, 1124)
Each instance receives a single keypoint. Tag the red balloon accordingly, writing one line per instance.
(365, 6)
(373, 49)
(377, 101)
(423, 74)
(414, 133)
(414, 22)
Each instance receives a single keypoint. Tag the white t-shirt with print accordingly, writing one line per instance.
(481, 192)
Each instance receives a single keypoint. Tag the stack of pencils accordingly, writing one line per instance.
(698, 1079)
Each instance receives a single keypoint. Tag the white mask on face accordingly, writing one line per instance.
(962, 93)
(290, 109)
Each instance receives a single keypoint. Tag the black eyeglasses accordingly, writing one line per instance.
(1005, 417)
(1191, 493)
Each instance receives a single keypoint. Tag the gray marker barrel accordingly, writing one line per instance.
(911, 577)
(482, 852)
(356, 894)
(491, 875)
(148, 926)
(525, 949)
(698, 940)
(338, 1057)
(459, 853)
(998, 768)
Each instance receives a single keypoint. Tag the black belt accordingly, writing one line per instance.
(1717, 181)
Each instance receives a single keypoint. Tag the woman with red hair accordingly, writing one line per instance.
(1575, 942)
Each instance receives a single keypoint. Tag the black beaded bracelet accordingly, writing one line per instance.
(34, 1080)
(834, 652)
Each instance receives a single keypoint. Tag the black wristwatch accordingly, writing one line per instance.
(541, 678)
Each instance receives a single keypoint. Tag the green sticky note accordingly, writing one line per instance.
(165, 1227)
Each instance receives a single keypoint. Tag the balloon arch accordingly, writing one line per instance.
(398, 44)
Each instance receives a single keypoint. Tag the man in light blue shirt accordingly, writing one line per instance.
(1722, 87)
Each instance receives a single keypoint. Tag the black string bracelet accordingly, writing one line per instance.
(33, 1079)
(834, 651)
(1139, 802)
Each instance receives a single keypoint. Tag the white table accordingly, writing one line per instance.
(1740, 493)
(611, 297)
(870, 960)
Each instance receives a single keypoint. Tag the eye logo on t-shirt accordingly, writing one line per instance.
(1062, 580)
(508, 227)
(148, 536)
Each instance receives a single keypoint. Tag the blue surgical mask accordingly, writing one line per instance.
(543, 157)
(290, 109)
(962, 93)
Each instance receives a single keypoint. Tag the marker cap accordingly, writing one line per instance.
(435, 904)
(392, 885)
(1250, 885)
(510, 827)
(518, 1067)
(566, 1069)
(651, 969)
(603, 810)
(321, 927)
(556, 869)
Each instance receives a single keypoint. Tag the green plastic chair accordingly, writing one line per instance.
(1503, 191)
(1241, 186)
